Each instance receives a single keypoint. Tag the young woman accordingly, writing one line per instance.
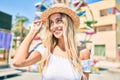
(58, 53)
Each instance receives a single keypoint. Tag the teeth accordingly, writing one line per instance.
(58, 30)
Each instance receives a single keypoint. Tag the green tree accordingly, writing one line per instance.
(19, 28)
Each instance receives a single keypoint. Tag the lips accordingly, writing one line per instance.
(58, 31)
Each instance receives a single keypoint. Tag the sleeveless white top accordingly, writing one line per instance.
(60, 68)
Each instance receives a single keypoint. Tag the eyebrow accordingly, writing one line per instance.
(56, 19)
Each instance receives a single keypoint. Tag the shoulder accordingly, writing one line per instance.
(40, 48)
(84, 54)
(85, 51)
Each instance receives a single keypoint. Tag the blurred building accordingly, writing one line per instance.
(106, 40)
(5, 38)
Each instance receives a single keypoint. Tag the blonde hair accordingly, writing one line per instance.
(70, 45)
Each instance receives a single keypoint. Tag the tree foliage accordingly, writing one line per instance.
(18, 27)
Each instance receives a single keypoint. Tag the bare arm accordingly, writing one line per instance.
(85, 55)
(22, 57)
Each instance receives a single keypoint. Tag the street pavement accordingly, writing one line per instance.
(108, 71)
(23, 76)
(105, 75)
(101, 75)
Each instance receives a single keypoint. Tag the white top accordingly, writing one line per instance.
(60, 68)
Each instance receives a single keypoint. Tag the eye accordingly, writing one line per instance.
(51, 23)
(59, 20)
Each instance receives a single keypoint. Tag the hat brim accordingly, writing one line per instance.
(69, 12)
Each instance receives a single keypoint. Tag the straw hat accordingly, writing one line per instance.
(62, 8)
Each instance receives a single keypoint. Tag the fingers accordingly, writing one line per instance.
(38, 23)
(36, 26)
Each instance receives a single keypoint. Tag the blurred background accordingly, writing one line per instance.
(99, 31)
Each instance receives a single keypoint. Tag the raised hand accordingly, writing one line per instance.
(36, 26)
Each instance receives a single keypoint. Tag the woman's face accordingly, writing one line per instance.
(56, 25)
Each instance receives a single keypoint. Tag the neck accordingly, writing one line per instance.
(61, 44)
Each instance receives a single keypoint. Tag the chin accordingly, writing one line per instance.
(59, 36)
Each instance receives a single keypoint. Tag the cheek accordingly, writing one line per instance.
(62, 26)
(51, 29)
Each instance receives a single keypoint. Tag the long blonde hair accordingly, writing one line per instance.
(69, 40)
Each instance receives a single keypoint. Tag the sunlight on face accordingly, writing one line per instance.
(56, 25)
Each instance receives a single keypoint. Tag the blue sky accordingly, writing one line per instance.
(23, 7)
